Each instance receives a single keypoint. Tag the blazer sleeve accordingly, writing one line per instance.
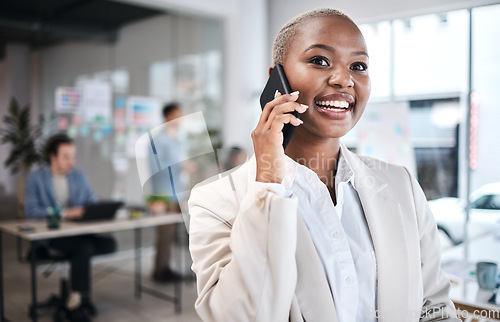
(243, 255)
(34, 207)
(436, 305)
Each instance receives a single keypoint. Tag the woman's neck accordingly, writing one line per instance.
(319, 155)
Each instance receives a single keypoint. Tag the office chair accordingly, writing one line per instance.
(58, 302)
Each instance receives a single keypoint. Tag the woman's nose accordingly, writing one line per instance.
(341, 78)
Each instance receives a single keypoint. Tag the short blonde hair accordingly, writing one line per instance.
(289, 29)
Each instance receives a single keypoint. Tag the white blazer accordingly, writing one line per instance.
(255, 261)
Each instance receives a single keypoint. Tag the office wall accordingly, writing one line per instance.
(245, 58)
(15, 81)
(4, 149)
(139, 45)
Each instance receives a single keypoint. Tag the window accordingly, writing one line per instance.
(482, 202)
(491, 202)
(378, 41)
(431, 54)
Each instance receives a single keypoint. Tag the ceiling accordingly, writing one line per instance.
(43, 23)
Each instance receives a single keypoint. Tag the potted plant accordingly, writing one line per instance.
(23, 138)
(157, 204)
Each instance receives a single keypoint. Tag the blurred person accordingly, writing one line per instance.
(316, 232)
(169, 148)
(236, 157)
(59, 185)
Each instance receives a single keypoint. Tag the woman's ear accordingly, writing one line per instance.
(270, 70)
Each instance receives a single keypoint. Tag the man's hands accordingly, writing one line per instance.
(268, 136)
(73, 213)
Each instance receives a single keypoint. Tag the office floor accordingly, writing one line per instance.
(112, 283)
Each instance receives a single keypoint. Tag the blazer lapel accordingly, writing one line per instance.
(383, 215)
(313, 293)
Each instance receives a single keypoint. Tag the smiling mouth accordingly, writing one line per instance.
(336, 106)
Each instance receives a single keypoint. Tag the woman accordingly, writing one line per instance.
(316, 233)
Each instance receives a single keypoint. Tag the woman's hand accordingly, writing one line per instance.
(268, 136)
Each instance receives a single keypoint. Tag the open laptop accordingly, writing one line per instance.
(101, 210)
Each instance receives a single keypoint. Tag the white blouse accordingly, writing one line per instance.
(341, 237)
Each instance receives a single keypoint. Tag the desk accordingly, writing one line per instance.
(41, 232)
(468, 296)
(465, 291)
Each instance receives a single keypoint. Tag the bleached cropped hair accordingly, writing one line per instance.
(289, 30)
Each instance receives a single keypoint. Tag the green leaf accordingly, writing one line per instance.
(10, 138)
(14, 107)
(22, 136)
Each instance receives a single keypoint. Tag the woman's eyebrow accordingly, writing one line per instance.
(325, 47)
(332, 49)
(360, 53)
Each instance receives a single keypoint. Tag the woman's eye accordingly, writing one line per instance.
(319, 61)
(359, 66)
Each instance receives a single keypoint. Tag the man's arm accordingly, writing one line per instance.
(82, 193)
(89, 193)
(34, 208)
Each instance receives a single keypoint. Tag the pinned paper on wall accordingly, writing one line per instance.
(106, 129)
(84, 130)
(62, 123)
(98, 135)
(143, 111)
(120, 114)
(97, 102)
(120, 127)
(68, 99)
(120, 139)
(76, 120)
(384, 133)
(72, 131)
(120, 102)
(132, 137)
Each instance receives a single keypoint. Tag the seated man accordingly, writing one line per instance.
(58, 184)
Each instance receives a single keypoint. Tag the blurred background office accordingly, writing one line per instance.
(101, 70)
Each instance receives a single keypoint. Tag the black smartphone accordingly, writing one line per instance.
(277, 81)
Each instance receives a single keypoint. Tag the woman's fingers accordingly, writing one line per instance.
(278, 99)
(276, 126)
(268, 137)
(281, 120)
(285, 109)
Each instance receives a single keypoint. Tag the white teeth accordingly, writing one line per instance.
(337, 104)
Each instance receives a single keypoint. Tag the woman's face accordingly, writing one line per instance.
(327, 63)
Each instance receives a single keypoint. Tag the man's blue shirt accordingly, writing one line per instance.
(39, 192)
